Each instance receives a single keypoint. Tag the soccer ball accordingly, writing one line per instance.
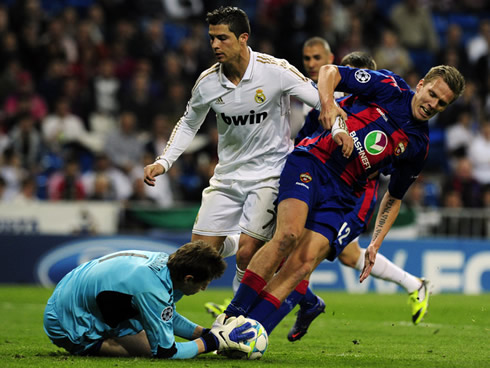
(258, 344)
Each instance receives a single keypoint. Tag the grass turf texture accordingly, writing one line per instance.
(367, 330)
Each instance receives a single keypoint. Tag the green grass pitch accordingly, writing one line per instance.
(367, 330)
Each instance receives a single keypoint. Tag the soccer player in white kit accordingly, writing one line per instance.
(249, 92)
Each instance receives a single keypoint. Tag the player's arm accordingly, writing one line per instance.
(387, 214)
(328, 79)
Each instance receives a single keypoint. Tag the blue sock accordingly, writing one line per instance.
(267, 305)
(287, 306)
(308, 300)
(246, 295)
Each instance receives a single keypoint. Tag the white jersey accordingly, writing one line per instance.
(252, 117)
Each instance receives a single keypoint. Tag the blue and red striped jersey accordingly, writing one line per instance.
(386, 136)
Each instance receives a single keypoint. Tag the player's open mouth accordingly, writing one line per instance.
(425, 112)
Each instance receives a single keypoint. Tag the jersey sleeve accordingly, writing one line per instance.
(185, 130)
(310, 128)
(375, 85)
(404, 174)
(183, 327)
(294, 83)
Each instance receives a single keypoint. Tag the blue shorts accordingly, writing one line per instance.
(329, 199)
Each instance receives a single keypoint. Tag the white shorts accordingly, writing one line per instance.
(233, 206)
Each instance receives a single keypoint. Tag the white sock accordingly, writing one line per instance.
(230, 246)
(237, 279)
(385, 269)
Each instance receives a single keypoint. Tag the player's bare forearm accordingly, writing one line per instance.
(387, 214)
(328, 79)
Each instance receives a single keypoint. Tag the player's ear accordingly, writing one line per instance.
(243, 38)
(188, 278)
(420, 84)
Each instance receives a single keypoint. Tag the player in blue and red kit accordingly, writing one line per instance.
(320, 183)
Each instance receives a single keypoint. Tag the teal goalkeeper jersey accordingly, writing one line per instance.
(121, 294)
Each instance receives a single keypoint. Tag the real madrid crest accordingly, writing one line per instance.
(259, 96)
(305, 177)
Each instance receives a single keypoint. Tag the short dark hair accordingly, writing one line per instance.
(198, 259)
(359, 59)
(236, 19)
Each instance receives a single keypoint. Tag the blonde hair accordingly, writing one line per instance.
(449, 74)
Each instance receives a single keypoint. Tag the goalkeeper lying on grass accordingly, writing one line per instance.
(123, 304)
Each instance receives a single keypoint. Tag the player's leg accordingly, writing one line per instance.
(311, 250)
(126, 346)
(353, 256)
(291, 218)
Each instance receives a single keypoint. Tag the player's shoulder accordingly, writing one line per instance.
(208, 75)
(272, 65)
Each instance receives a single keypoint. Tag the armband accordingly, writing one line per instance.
(339, 127)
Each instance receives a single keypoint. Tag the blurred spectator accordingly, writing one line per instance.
(50, 85)
(139, 100)
(153, 44)
(25, 99)
(160, 133)
(479, 154)
(12, 172)
(26, 142)
(67, 184)
(56, 42)
(119, 182)
(463, 182)
(3, 188)
(478, 45)
(9, 48)
(102, 190)
(64, 131)
(460, 136)
(453, 51)
(27, 192)
(8, 80)
(123, 146)
(374, 21)
(105, 88)
(416, 31)
(390, 55)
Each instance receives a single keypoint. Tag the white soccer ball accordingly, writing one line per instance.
(258, 344)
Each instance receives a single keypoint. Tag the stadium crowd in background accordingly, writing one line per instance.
(90, 90)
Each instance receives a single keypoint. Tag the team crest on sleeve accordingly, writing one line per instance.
(259, 96)
(362, 76)
(167, 313)
(402, 146)
(375, 142)
(305, 177)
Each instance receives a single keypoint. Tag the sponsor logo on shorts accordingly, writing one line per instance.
(305, 177)
(259, 96)
(167, 313)
(375, 142)
(362, 76)
(402, 146)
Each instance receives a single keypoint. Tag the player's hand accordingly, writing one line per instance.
(151, 171)
(347, 143)
(231, 333)
(369, 259)
(328, 115)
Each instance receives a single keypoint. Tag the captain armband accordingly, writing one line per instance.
(339, 126)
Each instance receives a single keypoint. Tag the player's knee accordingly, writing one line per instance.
(243, 256)
(347, 260)
(286, 241)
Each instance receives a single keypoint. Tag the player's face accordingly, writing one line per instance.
(225, 45)
(189, 287)
(314, 57)
(431, 98)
